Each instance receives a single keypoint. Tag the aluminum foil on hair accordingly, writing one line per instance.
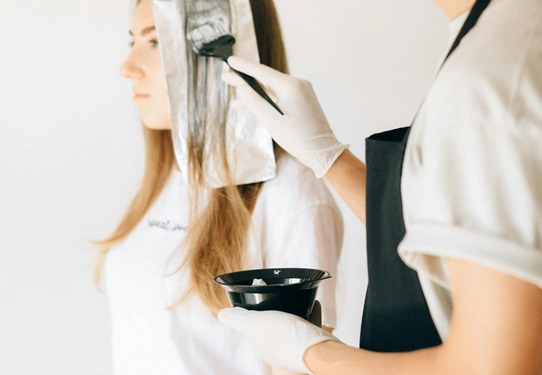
(249, 148)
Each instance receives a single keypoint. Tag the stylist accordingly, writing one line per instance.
(454, 215)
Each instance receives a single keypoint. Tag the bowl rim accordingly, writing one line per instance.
(245, 288)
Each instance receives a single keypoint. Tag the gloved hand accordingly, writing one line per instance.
(278, 338)
(303, 130)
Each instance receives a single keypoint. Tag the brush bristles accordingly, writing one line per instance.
(206, 33)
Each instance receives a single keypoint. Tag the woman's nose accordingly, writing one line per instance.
(130, 68)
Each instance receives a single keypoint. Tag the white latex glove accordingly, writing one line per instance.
(303, 130)
(278, 338)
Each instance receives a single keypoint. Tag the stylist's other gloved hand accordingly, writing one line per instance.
(278, 338)
(303, 130)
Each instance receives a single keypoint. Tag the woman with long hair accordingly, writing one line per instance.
(158, 265)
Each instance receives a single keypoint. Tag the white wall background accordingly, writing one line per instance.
(71, 152)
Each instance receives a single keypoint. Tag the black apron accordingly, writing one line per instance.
(395, 316)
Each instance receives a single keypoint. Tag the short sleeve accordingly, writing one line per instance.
(472, 173)
(476, 194)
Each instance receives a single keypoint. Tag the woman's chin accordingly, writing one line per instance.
(157, 125)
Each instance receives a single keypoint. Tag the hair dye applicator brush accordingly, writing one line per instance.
(213, 40)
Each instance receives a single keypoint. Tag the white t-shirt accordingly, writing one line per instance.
(472, 173)
(296, 223)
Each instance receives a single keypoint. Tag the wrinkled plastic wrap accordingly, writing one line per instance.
(249, 147)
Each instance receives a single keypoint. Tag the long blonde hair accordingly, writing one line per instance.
(215, 242)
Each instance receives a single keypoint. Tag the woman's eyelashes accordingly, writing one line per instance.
(153, 43)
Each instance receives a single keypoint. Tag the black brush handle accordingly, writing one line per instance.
(256, 86)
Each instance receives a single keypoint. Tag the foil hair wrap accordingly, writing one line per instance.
(249, 148)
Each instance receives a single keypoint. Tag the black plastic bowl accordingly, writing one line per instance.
(291, 290)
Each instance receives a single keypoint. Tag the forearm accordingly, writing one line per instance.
(348, 177)
(495, 329)
(277, 371)
(335, 358)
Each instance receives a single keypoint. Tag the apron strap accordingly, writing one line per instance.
(469, 23)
